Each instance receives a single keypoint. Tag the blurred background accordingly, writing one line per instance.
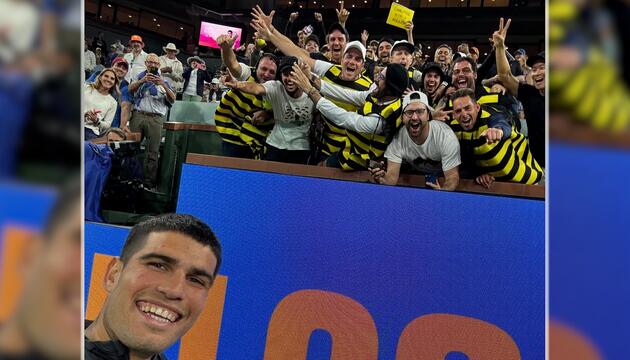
(589, 153)
(40, 203)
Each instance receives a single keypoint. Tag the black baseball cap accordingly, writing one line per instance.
(532, 60)
(431, 66)
(312, 37)
(287, 62)
(337, 26)
(396, 79)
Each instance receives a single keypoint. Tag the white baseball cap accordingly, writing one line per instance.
(403, 43)
(416, 96)
(356, 45)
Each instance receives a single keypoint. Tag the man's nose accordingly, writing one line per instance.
(172, 287)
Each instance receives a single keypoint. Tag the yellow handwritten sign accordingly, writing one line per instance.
(399, 15)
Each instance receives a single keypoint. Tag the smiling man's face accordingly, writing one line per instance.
(158, 294)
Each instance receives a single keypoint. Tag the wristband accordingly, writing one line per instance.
(444, 83)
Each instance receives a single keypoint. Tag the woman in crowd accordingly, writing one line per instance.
(99, 103)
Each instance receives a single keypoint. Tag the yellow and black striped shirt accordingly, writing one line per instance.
(233, 118)
(507, 160)
(334, 137)
(361, 147)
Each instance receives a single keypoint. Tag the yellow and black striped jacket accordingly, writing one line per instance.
(361, 147)
(334, 137)
(507, 160)
(233, 118)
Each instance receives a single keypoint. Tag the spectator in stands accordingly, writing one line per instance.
(463, 48)
(45, 322)
(100, 60)
(433, 82)
(371, 129)
(402, 53)
(384, 51)
(491, 148)
(89, 60)
(374, 46)
(215, 93)
(532, 97)
(293, 113)
(153, 96)
(521, 56)
(113, 53)
(370, 54)
(301, 35)
(99, 41)
(194, 77)
(156, 289)
(474, 54)
(244, 120)
(348, 75)
(171, 68)
(136, 58)
(123, 109)
(443, 56)
(418, 57)
(465, 76)
(311, 44)
(99, 104)
(430, 145)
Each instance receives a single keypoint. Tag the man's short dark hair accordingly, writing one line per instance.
(180, 223)
(465, 92)
(470, 60)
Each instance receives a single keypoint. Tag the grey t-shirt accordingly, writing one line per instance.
(441, 147)
(293, 118)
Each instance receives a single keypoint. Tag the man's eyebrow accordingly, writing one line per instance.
(166, 259)
(202, 272)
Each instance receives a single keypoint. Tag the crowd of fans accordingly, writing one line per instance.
(318, 97)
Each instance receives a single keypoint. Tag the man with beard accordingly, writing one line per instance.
(135, 58)
(384, 50)
(123, 110)
(443, 56)
(371, 129)
(532, 97)
(348, 75)
(431, 143)
(46, 323)
(243, 120)
(293, 113)
(491, 148)
(433, 82)
(465, 77)
(156, 289)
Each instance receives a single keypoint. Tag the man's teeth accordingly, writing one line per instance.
(159, 313)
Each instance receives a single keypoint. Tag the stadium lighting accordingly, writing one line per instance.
(109, 5)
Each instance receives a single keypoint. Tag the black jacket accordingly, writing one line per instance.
(202, 75)
(109, 350)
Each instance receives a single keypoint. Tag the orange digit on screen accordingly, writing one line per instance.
(567, 343)
(14, 241)
(294, 319)
(434, 336)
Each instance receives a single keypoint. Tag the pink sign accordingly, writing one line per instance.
(209, 32)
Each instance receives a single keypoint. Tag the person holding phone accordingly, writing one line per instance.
(194, 78)
(99, 103)
(430, 145)
(153, 95)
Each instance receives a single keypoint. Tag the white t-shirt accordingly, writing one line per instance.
(293, 118)
(93, 100)
(136, 65)
(441, 146)
(191, 89)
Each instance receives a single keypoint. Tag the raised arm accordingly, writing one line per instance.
(503, 66)
(227, 54)
(249, 87)
(269, 33)
(409, 30)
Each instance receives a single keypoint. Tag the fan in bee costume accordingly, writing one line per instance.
(244, 120)
(490, 146)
